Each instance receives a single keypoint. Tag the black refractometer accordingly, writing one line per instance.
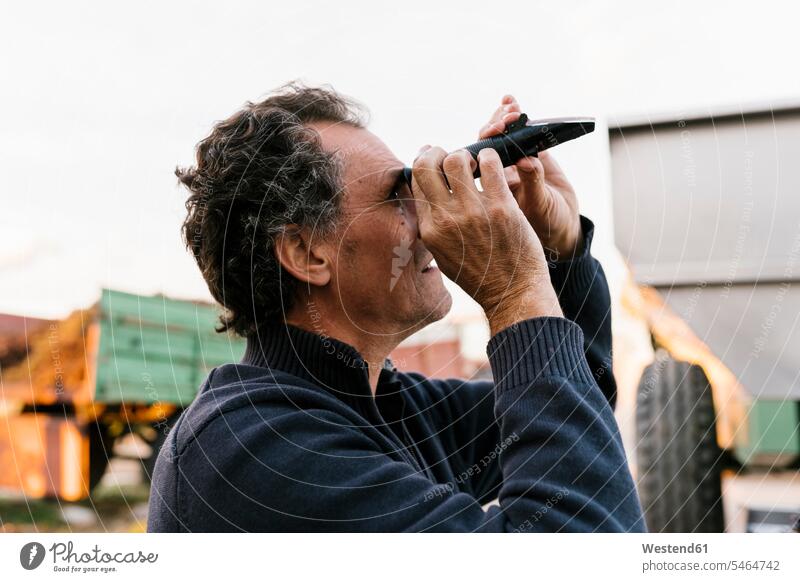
(527, 138)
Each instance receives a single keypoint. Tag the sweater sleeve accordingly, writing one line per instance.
(465, 409)
(562, 463)
(583, 294)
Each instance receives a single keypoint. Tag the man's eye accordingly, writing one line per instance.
(400, 192)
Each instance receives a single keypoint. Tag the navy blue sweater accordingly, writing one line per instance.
(292, 438)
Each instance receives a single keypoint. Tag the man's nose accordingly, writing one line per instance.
(415, 225)
(411, 215)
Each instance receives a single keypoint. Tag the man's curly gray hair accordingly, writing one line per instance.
(258, 172)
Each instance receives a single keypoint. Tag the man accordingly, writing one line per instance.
(321, 255)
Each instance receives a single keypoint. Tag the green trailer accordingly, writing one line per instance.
(129, 364)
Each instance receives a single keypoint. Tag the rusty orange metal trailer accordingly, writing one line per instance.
(70, 388)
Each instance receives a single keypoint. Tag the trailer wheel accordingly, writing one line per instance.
(679, 461)
(101, 444)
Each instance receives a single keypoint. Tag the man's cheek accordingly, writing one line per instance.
(401, 261)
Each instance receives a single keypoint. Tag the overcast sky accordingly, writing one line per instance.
(100, 102)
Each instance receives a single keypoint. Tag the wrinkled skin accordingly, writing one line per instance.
(369, 286)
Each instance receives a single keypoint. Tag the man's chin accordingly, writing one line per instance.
(439, 308)
(445, 305)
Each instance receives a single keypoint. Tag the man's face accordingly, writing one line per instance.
(382, 278)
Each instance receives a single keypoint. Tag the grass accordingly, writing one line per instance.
(116, 508)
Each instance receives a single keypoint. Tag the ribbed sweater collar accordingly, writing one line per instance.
(322, 360)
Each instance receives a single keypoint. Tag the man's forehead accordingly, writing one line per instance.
(364, 155)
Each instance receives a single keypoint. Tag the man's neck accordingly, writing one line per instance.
(374, 348)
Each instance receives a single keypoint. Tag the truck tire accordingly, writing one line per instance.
(679, 461)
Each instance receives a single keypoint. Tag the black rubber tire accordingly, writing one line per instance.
(679, 461)
(101, 446)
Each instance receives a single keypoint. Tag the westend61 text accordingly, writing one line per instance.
(675, 549)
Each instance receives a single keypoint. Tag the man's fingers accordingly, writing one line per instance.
(428, 185)
(493, 177)
(532, 186)
(458, 167)
(512, 177)
(490, 129)
(531, 175)
(530, 165)
(550, 164)
(497, 122)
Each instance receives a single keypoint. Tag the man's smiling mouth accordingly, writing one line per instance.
(430, 266)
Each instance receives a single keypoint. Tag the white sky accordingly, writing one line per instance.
(99, 104)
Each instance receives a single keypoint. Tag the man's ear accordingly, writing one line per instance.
(304, 258)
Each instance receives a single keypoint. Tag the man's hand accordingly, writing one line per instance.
(542, 191)
(481, 239)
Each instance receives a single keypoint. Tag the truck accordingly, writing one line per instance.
(706, 209)
(71, 389)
